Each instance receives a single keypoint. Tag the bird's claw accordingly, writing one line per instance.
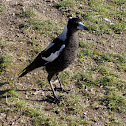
(57, 99)
(61, 89)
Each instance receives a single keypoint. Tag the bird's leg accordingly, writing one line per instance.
(49, 80)
(61, 86)
(54, 94)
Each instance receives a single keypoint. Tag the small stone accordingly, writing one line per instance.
(2, 115)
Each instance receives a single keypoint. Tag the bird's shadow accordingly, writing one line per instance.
(48, 99)
(51, 99)
(3, 83)
(2, 92)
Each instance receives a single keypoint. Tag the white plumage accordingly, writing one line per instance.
(53, 56)
(63, 35)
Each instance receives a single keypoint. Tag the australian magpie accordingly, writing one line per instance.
(60, 53)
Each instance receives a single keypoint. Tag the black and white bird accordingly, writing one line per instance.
(60, 53)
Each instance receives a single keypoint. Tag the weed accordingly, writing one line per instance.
(2, 8)
(86, 45)
(83, 53)
(81, 44)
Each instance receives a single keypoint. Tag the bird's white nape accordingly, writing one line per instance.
(70, 17)
(63, 35)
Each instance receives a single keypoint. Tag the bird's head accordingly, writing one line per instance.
(76, 24)
(73, 25)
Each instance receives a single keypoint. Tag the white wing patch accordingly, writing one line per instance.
(53, 56)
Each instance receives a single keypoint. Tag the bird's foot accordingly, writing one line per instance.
(53, 99)
(66, 91)
(56, 98)
(61, 89)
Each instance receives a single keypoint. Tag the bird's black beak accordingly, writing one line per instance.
(81, 26)
(85, 28)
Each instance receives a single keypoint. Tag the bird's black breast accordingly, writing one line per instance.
(66, 57)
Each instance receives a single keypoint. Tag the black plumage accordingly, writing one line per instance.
(60, 53)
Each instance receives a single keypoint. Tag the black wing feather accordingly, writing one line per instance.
(57, 45)
(39, 62)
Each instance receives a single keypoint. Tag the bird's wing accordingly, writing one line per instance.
(46, 56)
(53, 50)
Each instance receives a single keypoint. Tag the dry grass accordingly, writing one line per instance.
(96, 79)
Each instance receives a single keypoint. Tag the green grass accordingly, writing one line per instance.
(114, 100)
(66, 76)
(97, 79)
(86, 52)
(104, 74)
(106, 80)
(84, 79)
(38, 115)
(5, 60)
(65, 4)
(26, 13)
(99, 10)
(2, 9)
(108, 57)
(42, 27)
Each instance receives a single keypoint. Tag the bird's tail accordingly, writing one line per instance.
(25, 71)
(38, 62)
